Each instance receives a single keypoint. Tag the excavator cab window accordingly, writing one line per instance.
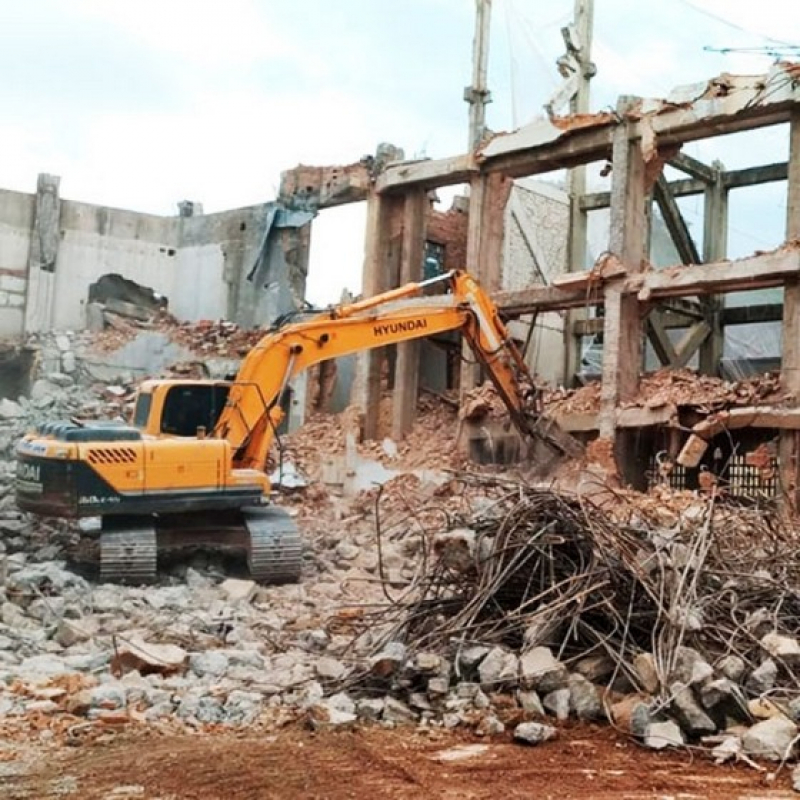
(141, 413)
(187, 408)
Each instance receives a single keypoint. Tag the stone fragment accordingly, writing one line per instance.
(397, 711)
(596, 669)
(723, 699)
(540, 670)
(69, 632)
(530, 702)
(212, 663)
(584, 698)
(632, 714)
(242, 708)
(329, 669)
(238, 591)
(663, 734)
(389, 661)
(10, 409)
(693, 720)
(733, 668)
(690, 667)
(729, 748)
(427, 662)
(645, 667)
(763, 678)
(438, 687)
(533, 733)
(148, 658)
(764, 708)
(489, 725)
(500, 666)
(770, 739)
(370, 708)
(785, 648)
(558, 703)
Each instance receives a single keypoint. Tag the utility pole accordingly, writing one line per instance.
(477, 95)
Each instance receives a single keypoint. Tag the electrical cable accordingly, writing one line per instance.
(741, 29)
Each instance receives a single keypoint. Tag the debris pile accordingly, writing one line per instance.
(545, 602)
(681, 387)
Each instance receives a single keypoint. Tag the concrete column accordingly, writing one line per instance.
(377, 277)
(622, 328)
(789, 447)
(45, 238)
(485, 234)
(406, 371)
(715, 248)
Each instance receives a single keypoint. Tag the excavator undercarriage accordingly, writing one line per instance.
(130, 547)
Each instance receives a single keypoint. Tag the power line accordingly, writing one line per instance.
(717, 18)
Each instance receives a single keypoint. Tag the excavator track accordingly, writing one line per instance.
(129, 553)
(275, 553)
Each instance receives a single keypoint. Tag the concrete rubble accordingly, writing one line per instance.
(204, 647)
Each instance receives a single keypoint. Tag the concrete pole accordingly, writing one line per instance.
(477, 95)
(576, 259)
(789, 446)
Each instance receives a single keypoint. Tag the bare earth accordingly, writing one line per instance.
(583, 762)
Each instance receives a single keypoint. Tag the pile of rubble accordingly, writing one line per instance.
(543, 605)
(682, 387)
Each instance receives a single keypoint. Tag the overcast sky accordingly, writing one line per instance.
(142, 104)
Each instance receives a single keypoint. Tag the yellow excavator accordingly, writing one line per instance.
(189, 469)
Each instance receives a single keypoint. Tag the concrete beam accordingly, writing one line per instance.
(428, 174)
(693, 167)
(763, 271)
(675, 222)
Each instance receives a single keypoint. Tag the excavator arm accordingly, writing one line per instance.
(253, 412)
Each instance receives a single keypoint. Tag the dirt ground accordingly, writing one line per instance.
(583, 762)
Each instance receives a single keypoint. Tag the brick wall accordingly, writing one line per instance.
(449, 228)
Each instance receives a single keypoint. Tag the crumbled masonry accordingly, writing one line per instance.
(452, 597)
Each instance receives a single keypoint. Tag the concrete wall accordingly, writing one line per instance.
(51, 250)
(16, 221)
(534, 252)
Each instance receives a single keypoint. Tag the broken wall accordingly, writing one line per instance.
(208, 266)
(16, 221)
(534, 252)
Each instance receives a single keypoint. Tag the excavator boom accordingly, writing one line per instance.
(189, 470)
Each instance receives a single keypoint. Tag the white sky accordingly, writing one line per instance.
(142, 104)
